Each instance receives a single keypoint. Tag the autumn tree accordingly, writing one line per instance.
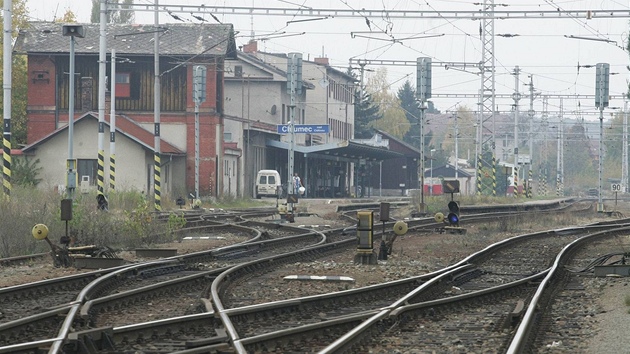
(18, 76)
(68, 17)
(466, 132)
(393, 120)
(118, 13)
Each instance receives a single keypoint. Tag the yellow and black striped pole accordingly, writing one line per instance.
(479, 174)
(101, 172)
(102, 77)
(157, 198)
(157, 186)
(6, 156)
(529, 183)
(112, 172)
(515, 182)
(6, 109)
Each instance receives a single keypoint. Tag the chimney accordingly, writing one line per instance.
(251, 47)
(323, 61)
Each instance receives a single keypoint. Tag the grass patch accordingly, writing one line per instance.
(128, 223)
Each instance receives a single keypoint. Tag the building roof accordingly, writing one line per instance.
(447, 171)
(304, 60)
(272, 69)
(345, 150)
(214, 40)
(124, 126)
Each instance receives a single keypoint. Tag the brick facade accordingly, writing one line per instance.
(42, 121)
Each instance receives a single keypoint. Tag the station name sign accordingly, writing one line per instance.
(304, 129)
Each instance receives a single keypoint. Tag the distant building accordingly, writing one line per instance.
(181, 47)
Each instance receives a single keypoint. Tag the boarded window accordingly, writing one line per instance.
(123, 85)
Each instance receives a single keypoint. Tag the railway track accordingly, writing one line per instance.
(237, 268)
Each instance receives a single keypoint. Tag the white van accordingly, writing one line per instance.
(268, 184)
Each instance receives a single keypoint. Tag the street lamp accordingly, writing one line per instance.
(71, 164)
(431, 183)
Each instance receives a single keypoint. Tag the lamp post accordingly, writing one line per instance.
(431, 183)
(71, 164)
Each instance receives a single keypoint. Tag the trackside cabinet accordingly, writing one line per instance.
(365, 231)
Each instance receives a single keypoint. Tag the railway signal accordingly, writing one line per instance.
(453, 213)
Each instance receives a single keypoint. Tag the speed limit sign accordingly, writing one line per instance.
(615, 187)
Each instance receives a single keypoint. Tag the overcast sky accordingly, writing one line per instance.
(540, 48)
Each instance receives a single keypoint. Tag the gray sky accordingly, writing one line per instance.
(540, 48)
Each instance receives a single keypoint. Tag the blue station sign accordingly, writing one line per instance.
(304, 129)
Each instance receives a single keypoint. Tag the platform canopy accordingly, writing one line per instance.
(347, 151)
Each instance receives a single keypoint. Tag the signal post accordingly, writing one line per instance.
(452, 218)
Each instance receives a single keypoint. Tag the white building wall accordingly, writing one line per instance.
(132, 160)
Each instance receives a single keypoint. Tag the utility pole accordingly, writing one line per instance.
(624, 154)
(562, 146)
(559, 187)
(112, 123)
(601, 101)
(456, 148)
(487, 107)
(102, 71)
(516, 97)
(544, 162)
(157, 189)
(6, 87)
(71, 164)
(294, 88)
(199, 96)
(530, 113)
(423, 91)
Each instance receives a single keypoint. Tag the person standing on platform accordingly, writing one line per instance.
(297, 183)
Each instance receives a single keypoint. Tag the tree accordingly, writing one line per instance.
(68, 17)
(579, 165)
(393, 119)
(18, 76)
(407, 96)
(365, 113)
(118, 13)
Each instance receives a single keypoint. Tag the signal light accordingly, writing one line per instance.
(453, 215)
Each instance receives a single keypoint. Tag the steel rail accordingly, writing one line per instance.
(519, 341)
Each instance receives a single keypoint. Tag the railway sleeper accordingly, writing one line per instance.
(467, 275)
(236, 254)
(221, 337)
(154, 272)
(515, 315)
(91, 341)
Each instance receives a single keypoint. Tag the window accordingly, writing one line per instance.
(87, 167)
(227, 136)
(123, 85)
